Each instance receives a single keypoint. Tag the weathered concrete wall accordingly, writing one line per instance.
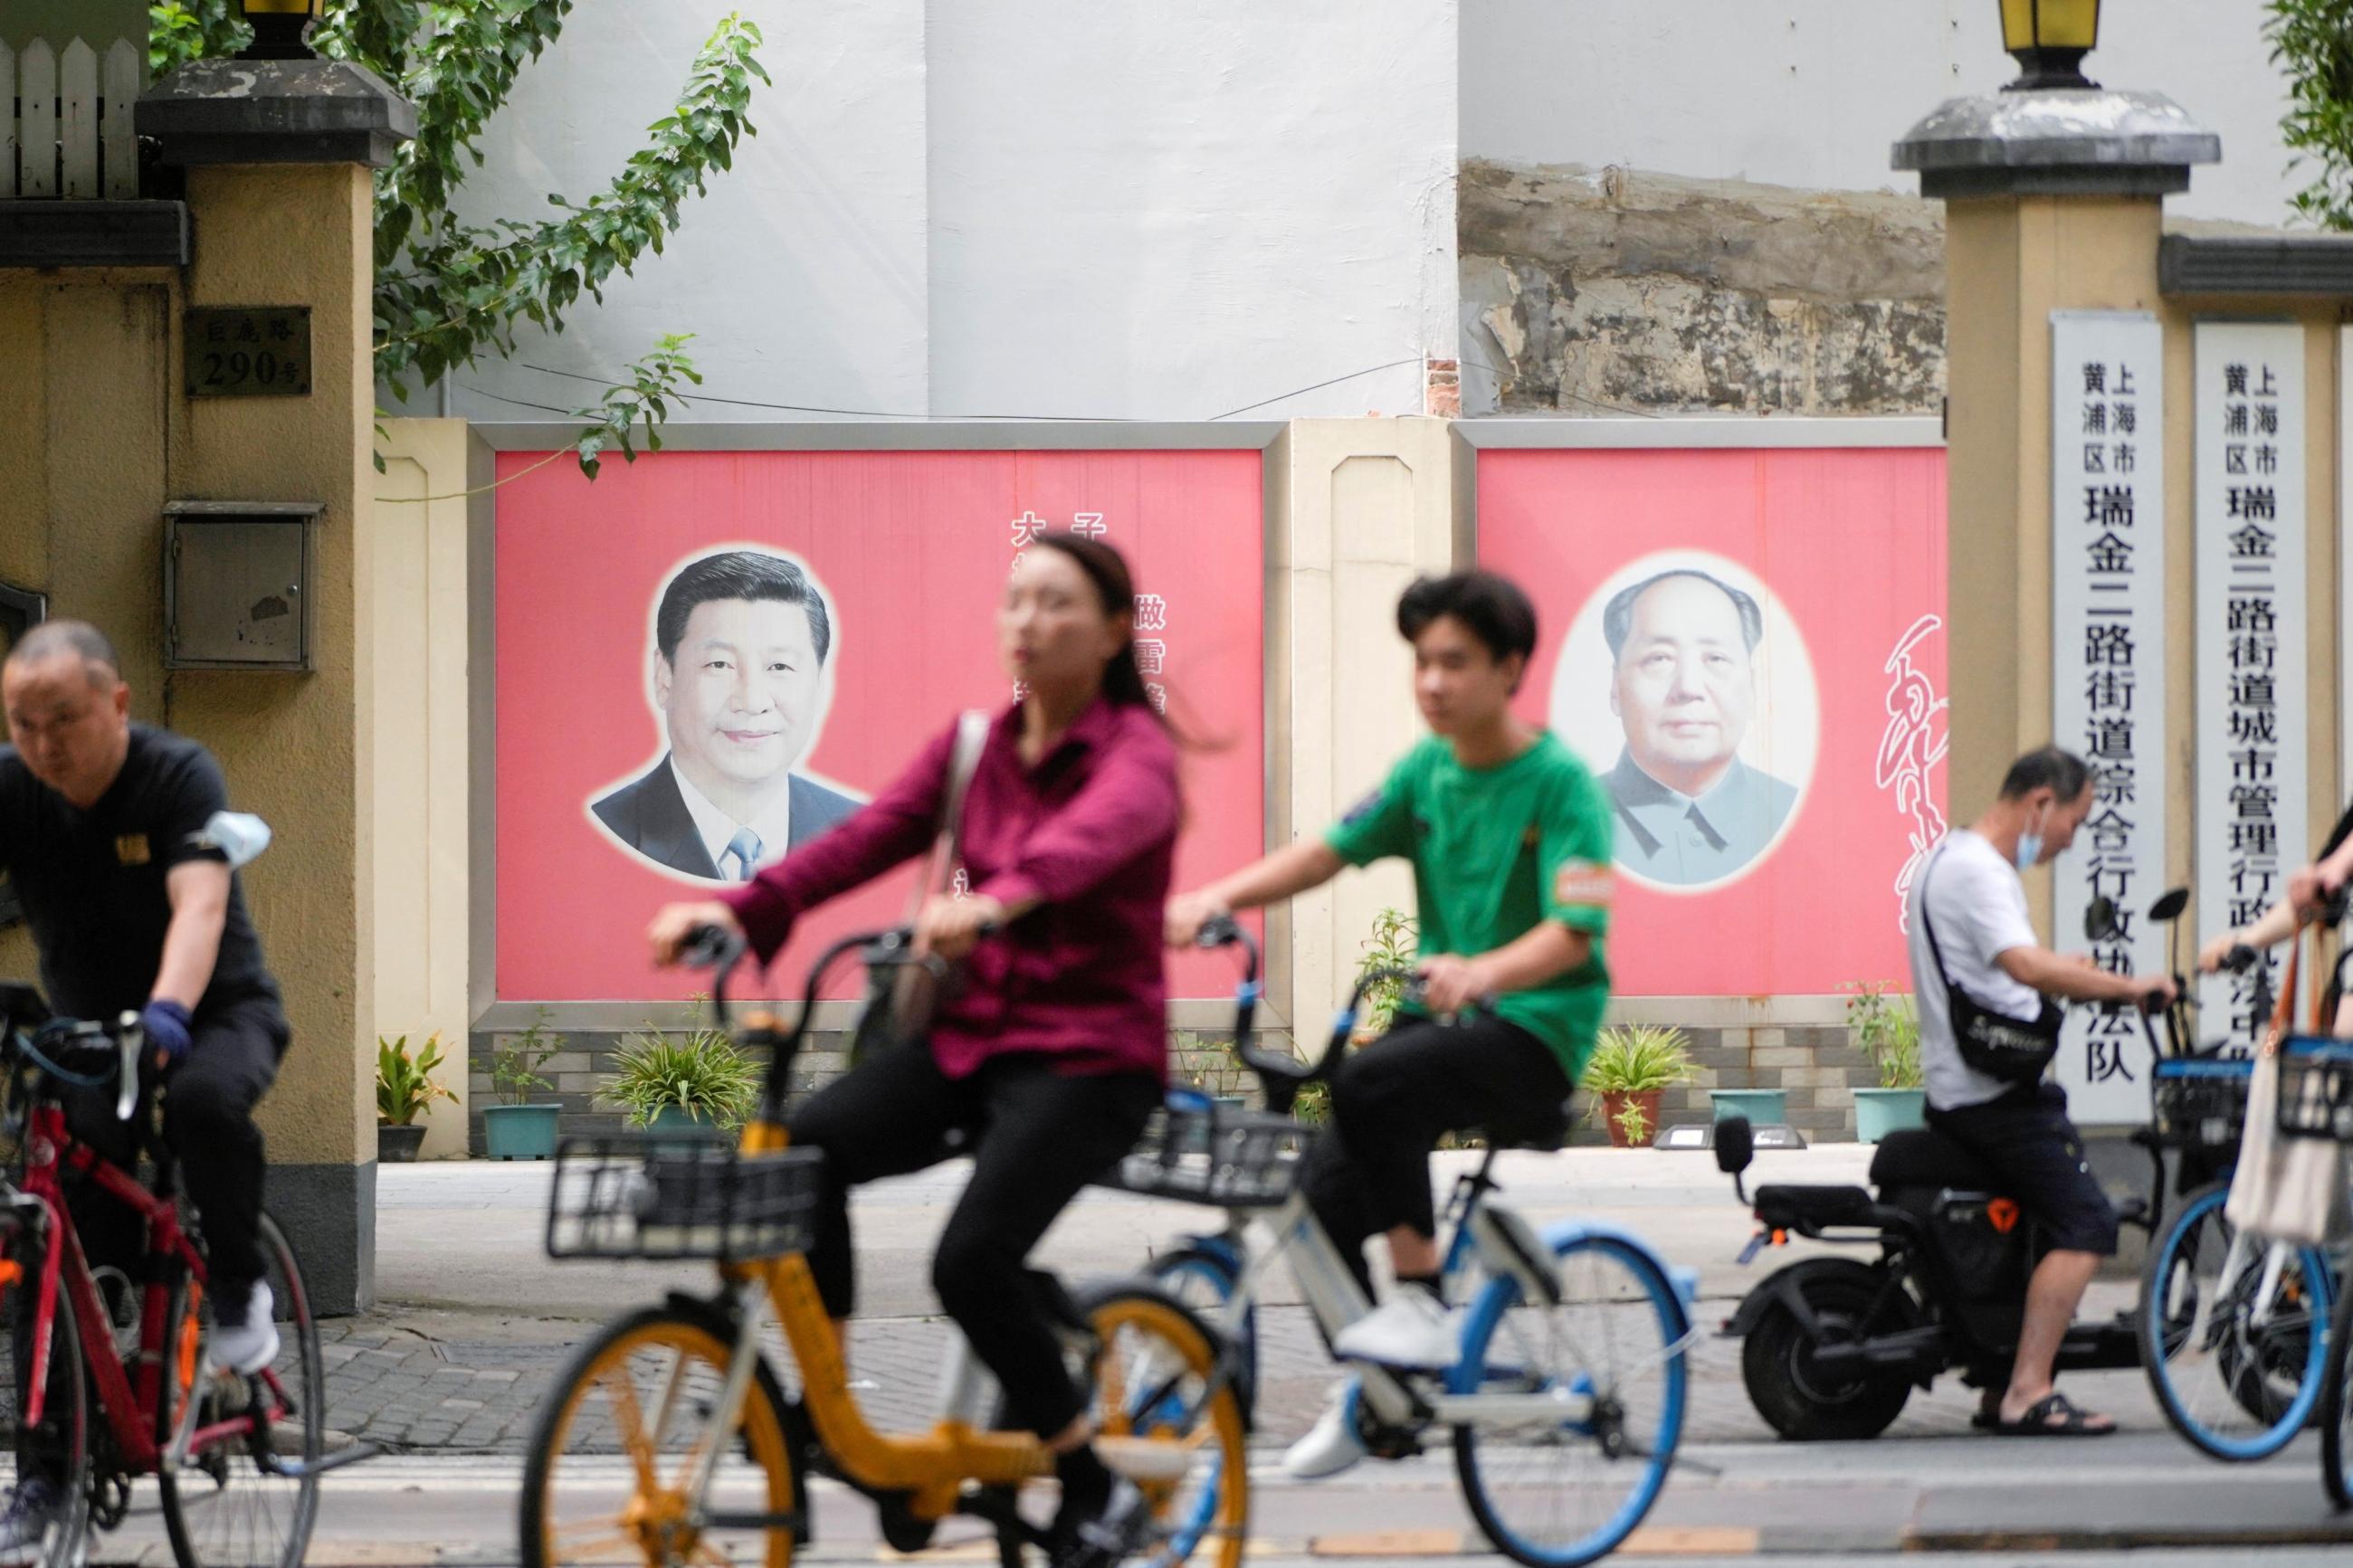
(1593, 292)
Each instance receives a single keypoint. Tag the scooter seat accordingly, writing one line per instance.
(1922, 1157)
(1785, 1206)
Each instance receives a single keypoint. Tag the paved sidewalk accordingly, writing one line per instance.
(476, 1321)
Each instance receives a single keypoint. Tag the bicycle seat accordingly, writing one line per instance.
(1922, 1157)
(1543, 1127)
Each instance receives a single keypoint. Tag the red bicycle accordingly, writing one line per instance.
(236, 1459)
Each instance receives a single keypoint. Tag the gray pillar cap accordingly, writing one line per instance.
(2058, 142)
(276, 112)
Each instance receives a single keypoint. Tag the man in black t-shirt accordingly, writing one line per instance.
(102, 834)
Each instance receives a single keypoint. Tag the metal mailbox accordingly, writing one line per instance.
(238, 589)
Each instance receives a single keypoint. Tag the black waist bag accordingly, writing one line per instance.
(2013, 1050)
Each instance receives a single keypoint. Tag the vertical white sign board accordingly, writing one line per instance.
(2107, 669)
(2252, 693)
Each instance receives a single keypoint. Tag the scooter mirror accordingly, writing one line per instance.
(2100, 918)
(2170, 906)
(1736, 1145)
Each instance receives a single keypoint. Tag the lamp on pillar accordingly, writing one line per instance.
(281, 28)
(2052, 132)
(2050, 40)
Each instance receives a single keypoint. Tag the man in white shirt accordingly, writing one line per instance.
(1970, 932)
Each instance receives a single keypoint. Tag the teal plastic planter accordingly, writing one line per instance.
(673, 1122)
(1879, 1111)
(520, 1131)
(1763, 1107)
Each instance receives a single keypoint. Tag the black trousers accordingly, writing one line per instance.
(207, 1126)
(207, 1099)
(1390, 1103)
(1035, 1136)
(2026, 1139)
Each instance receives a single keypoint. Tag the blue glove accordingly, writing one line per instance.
(167, 1024)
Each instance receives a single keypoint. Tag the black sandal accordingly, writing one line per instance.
(2073, 1421)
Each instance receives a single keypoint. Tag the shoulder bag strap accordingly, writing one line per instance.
(2283, 1008)
(947, 843)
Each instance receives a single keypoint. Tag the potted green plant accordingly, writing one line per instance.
(405, 1086)
(515, 1129)
(696, 1082)
(1632, 1068)
(1395, 942)
(1885, 1022)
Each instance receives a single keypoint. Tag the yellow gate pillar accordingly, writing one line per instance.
(278, 154)
(2053, 201)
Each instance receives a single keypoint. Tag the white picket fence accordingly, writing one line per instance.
(68, 134)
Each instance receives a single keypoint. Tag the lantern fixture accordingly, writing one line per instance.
(2050, 40)
(281, 28)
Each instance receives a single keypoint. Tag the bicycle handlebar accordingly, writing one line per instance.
(111, 1050)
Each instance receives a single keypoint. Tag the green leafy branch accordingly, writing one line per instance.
(454, 290)
(448, 293)
(2312, 41)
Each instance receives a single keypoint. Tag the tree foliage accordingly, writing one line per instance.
(448, 292)
(2312, 41)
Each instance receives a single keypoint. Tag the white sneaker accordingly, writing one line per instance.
(248, 1347)
(1412, 1328)
(1334, 1444)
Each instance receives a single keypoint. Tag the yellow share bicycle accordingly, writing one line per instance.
(671, 1438)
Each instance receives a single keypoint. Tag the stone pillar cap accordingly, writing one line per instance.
(276, 112)
(2057, 142)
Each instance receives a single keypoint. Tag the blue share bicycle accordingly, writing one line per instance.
(2315, 1101)
(2233, 1327)
(1567, 1399)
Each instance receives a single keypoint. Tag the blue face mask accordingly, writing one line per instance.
(2029, 848)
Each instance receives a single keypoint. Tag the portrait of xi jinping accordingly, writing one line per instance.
(1683, 685)
(741, 641)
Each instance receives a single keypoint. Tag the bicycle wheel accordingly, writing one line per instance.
(2336, 1406)
(609, 1475)
(1553, 1492)
(223, 1507)
(1152, 1379)
(2236, 1373)
(1202, 1277)
(62, 1440)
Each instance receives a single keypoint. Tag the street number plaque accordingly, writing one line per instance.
(248, 351)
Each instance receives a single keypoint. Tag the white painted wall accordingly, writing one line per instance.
(973, 208)
(1812, 93)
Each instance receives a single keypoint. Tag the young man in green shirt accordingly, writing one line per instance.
(1509, 835)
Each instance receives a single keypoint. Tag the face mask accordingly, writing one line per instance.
(2029, 847)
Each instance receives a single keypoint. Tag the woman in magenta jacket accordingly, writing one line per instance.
(1052, 1051)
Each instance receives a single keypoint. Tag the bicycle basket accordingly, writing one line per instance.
(1200, 1152)
(668, 1198)
(2315, 1090)
(2201, 1102)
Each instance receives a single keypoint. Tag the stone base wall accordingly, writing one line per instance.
(1817, 1067)
(1198, 1058)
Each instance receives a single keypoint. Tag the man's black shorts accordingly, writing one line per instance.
(2026, 1138)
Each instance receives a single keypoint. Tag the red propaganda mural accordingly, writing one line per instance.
(851, 599)
(1747, 646)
